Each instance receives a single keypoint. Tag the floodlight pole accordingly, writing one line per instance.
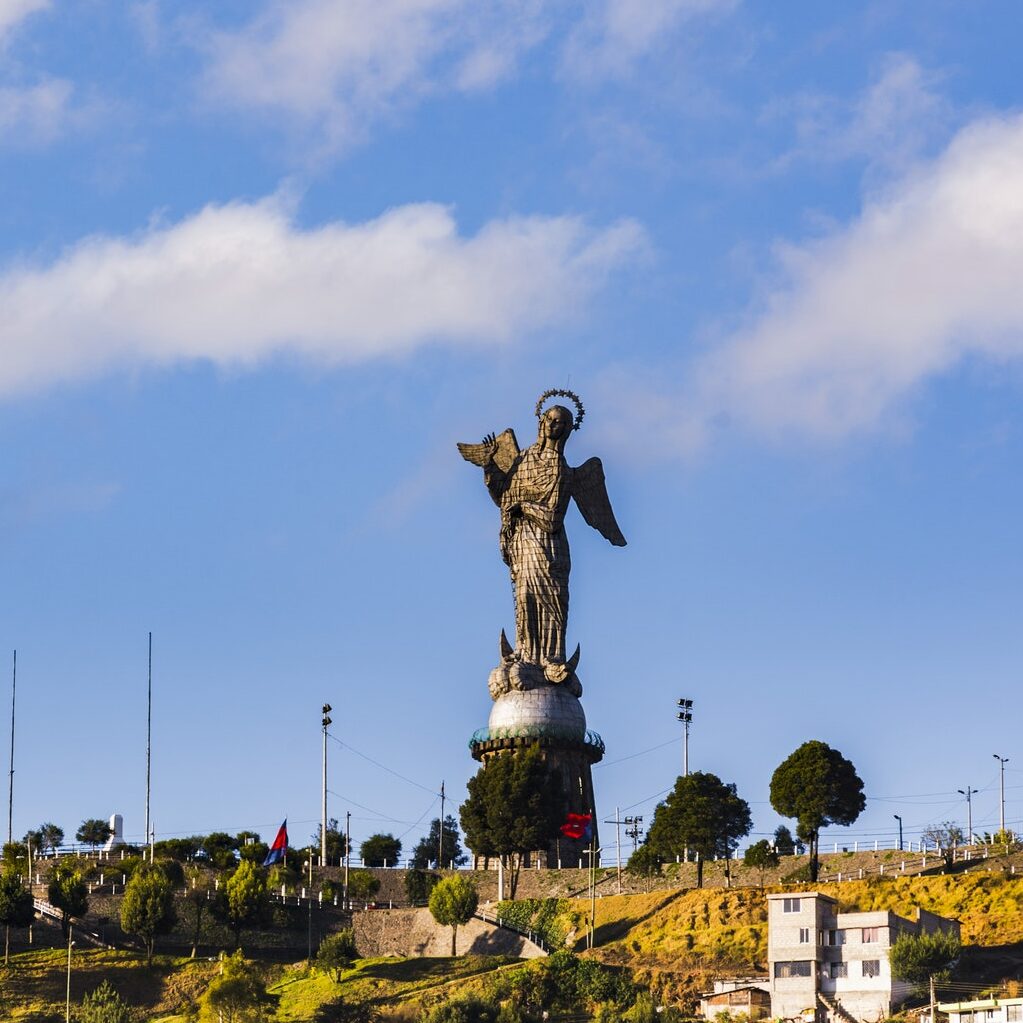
(149, 734)
(685, 715)
(968, 792)
(323, 807)
(348, 851)
(1002, 761)
(10, 793)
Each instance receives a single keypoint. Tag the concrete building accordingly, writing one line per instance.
(988, 1010)
(832, 967)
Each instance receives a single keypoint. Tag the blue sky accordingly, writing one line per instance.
(262, 264)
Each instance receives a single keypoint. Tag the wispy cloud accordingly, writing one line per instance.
(36, 114)
(332, 69)
(239, 283)
(12, 12)
(892, 122)
(614, 35)
(926, 277)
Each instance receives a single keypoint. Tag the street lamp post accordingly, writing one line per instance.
(323, 808)
(1002, 761)
(899, 819)
(968, 792)
(685, 715)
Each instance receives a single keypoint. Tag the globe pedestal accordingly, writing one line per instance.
(551, 718)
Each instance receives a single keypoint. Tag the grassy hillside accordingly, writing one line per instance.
(674, 942)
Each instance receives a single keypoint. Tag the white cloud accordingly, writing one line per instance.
(14, 11)
(239, 283)
(336, 67)
(615, 34)
(890, 124)
(927, 277)
(35, 114)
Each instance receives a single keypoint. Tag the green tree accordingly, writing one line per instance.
(68, 892)
(237, 995)
(362, 885)
(103, 1005)
(418, 885)
(644, 862)
(196, 903)
(147, 908)
(760, 855)
(220, 848)
(702, 814)
(337, 953)
(453, 902)
(784, 843)
(426, 848)
(246, 898)
(924, 960)
(467, 1009)
(50, 837)
(817, 786)
(515, 806)
(16, 906)
(336, 844)
(93, 832)
(181, 849)
(380, 851)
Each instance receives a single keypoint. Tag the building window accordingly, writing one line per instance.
(835, 938)
(790, 905)
(870, 936)
(871, 967)
(804, 935)
(966, 1017)
(800, 968)
(839, 970)
(1014, 1013)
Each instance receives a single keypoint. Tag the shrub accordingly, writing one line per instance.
(103, 1005)
(418, 885)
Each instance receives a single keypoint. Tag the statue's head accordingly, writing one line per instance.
(556, 424)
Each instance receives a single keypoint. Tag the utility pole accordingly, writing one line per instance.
(1002, 761)
(323, 808)
(348, 850)
(899, 819)
(440, 836)
(10, 794)
(149, 732)
(968, 792)
(618, 822)
(685, 715)
(633, 829)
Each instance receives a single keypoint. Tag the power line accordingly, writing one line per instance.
(383, 767)
(641, 753)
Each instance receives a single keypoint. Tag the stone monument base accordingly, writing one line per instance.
(551, 718)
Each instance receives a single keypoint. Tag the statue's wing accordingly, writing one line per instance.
(506, 452)
(590, 494)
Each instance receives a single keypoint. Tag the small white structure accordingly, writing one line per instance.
(116, 833)
(987, 1010)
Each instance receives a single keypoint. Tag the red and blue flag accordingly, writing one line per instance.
(280, 847)
(578, 826)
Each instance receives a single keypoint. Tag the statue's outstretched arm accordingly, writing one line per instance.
(590, 493)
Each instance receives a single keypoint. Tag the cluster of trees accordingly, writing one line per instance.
(515, 806)
(816, 786)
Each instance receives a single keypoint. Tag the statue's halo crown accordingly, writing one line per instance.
(556, 392)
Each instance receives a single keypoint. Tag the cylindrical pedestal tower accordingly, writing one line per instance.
(552, 718)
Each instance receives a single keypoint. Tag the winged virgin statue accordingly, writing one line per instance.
(533, 488)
